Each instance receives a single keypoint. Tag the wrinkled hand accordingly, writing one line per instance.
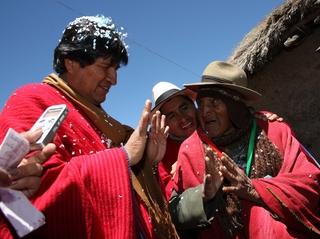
(267, 116)
(213, 177)
(241, 184)
(137, 141)
(157, 141)
(26, 177)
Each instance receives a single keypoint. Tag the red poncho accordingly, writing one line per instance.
(83, 194)
(293, 195)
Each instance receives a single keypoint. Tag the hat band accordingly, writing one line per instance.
(203, 92)
(217, 80)
(166, 95)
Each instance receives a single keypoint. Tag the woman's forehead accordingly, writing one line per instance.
(174, 104)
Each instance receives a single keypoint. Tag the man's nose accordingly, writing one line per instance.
(112, 75)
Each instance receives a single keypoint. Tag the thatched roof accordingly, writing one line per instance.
(286, 26)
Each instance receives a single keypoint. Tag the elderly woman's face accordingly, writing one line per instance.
(214, 117)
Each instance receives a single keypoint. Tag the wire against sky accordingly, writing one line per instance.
(138, 44)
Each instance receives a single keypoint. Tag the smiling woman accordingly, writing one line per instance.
(180, 116)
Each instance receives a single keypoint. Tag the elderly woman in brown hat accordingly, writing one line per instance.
(258, 180)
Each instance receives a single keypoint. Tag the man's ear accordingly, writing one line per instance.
(70, 65)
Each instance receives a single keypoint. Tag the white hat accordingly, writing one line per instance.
(164, 91)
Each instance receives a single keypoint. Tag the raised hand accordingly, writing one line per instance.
(213, 177)
(157, 141)
(137, 141)
(240, 183)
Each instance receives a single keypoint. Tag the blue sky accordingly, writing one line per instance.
(169, 40)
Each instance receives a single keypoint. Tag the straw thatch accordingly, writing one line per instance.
(282, 59)
(293, 18)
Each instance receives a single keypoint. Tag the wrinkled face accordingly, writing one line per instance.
(214, 117)
(93, 81)
(180, 116)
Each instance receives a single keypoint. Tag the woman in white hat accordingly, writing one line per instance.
(264, 185)
(178, 106)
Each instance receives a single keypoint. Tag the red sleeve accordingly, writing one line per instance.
(190, 165)
(91, 197)
(293, 195)
(165, 181)
(93, 191)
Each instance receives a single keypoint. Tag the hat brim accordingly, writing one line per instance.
(184, 92)
(248, 94)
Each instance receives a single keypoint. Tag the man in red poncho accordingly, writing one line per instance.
(92, 187)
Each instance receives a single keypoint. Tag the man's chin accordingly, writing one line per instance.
(100, 100)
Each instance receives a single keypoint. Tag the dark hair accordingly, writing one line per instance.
(88, 38)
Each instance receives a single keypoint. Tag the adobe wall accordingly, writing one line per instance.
(290, 85)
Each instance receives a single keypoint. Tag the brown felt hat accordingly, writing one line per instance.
(219, 74)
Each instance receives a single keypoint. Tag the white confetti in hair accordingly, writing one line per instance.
(102, 26)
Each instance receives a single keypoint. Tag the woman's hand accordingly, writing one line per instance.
(240, 183)
(213, 178)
